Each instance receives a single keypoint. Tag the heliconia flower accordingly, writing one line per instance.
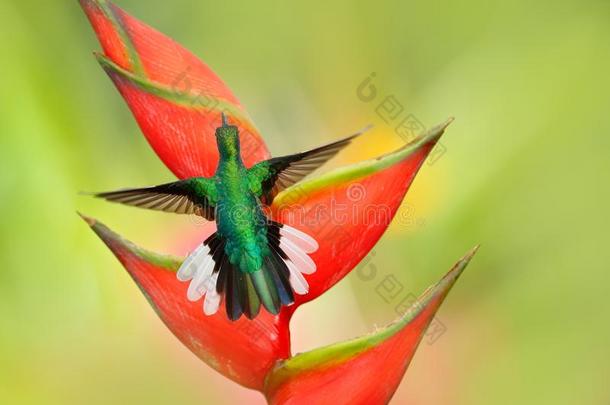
(177, 101)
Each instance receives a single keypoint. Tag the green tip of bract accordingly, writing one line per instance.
(88, 220)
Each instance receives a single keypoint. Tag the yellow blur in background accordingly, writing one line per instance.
(524, 172)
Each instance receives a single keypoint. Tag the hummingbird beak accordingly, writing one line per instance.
(224, 119)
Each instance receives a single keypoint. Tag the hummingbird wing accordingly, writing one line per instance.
(279, 173)
(191, 196)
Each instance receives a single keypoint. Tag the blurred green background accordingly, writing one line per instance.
(525, 174)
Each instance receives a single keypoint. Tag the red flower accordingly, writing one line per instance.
(177, 100)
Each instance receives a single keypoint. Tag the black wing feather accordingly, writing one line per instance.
(180, 197)
(284, 171)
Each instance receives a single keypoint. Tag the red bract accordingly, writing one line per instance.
(349, 209)
(177, 101)
(176, 98)
(366, 370)
(243, 351)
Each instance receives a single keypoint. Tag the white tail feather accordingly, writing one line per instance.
(189, 267)
(199, 284)
(212, 298)
(303, 241)
(301, 260)
(296, 279)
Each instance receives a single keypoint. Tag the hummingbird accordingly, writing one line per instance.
(251, 259)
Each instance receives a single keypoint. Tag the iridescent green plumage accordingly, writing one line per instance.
(250, 262)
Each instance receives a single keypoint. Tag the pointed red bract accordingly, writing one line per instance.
(363, 371)
(349, 209)
(175, 98)
(244, 350)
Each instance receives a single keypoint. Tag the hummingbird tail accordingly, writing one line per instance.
(281, 275)
(273, 285)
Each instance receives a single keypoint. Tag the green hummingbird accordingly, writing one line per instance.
(250, 259)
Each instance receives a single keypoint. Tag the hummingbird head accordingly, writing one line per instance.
(227, 138)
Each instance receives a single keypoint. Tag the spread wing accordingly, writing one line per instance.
(271, 176)
(191, 196)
